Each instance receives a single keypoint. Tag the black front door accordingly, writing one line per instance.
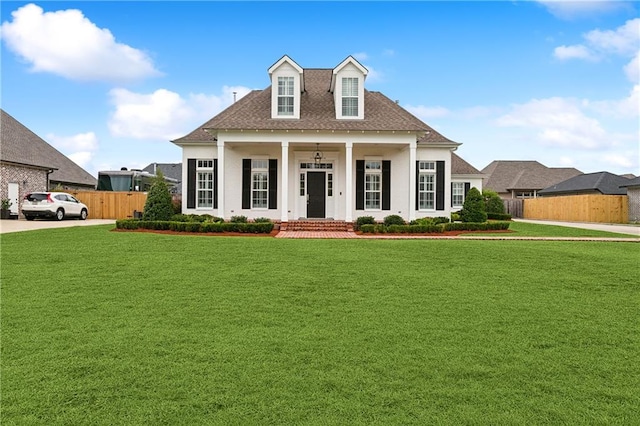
(316, 185)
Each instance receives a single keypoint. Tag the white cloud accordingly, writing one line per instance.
(165, 115)
(79, 148)
(361, 56)
(621, 161)
(628, 107)
(68, 44)
(373, 76)
(559, 123)
(574, 52)
(571, 9)
(425, 113)
(624, 40)
(632, 69)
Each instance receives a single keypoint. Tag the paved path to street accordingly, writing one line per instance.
(608, 227)
(7, 226)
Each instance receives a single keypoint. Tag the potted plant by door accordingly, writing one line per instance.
(5, 205)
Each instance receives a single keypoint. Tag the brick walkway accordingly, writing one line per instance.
(344, 235)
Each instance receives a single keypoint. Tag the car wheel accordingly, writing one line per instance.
(29, 217)
(83, 214)
(60, 214)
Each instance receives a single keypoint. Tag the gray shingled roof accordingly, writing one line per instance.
(317, 112)
(504, 176)
(170, 170)
(603, 182)
(461, 167)
(23, 147)
(631, 182)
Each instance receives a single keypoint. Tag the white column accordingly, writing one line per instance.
(220, 172)
(284, 186)
(412, 180)
(348, 181)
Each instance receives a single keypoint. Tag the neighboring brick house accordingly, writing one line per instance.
(28, 164)
(633, 193)
(523, 179)
(317, 144)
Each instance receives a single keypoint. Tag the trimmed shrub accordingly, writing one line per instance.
(473, 209)
(440, 219)
(493, 202)
(364, 220)
(159, 205)
(238, 219)
(262, 220)
(475, 226)
(455, 217)
(393, 219)
(158, 225)
(498, 216)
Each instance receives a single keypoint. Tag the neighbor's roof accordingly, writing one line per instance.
(170, 170)
(631, 182)
(317, 112)
(23, 147)
(461, 167)
(504, 176)
(603, 182)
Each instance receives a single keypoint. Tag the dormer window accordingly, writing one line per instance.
(350, 97)
(285, 95)
(347, 86)
(287, 84)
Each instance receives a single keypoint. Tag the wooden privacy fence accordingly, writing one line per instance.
(513, 206)
(579, 208)
(111, 205)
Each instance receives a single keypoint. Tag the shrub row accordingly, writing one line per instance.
(427, 229)
(401, 229)
(158, 225)
(476, 226)
(498, 216)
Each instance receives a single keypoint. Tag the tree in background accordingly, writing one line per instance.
(493, 202)
(158, 205)
(474, 209)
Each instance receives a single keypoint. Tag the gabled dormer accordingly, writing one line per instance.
(347, 86)
(286, 87)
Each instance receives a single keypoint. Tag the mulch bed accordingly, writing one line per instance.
(275, 232)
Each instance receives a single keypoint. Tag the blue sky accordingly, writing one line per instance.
(110, 83)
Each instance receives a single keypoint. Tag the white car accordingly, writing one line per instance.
(53, 204)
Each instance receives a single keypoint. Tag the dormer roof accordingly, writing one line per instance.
(286, 59)
(349, 60)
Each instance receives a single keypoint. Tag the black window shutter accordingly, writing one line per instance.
(467, 187)
(417, 185)
(215, 183)
(246, 183)
(359, 184)
(451, 194)
(191, 183)
(273, 184)
(386, 185)
(439, 185)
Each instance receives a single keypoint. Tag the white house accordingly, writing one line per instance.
(317, 144)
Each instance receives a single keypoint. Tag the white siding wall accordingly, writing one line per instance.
(393, 147)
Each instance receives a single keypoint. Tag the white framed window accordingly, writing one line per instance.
(285, 95)
(457, 194)
(204, 184)
(330, 185)
(302, 185)
(427, 185)
(372, 185)
(350, 97)
(259, 184)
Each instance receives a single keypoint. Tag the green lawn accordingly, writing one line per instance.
(103, 327)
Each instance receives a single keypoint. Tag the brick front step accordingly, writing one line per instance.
(317, 225)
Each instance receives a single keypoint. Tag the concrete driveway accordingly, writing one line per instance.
(608, 227)
(7, 226)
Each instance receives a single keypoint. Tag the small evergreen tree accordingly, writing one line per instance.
(158, 205)
(473, 209)
(493, 202)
